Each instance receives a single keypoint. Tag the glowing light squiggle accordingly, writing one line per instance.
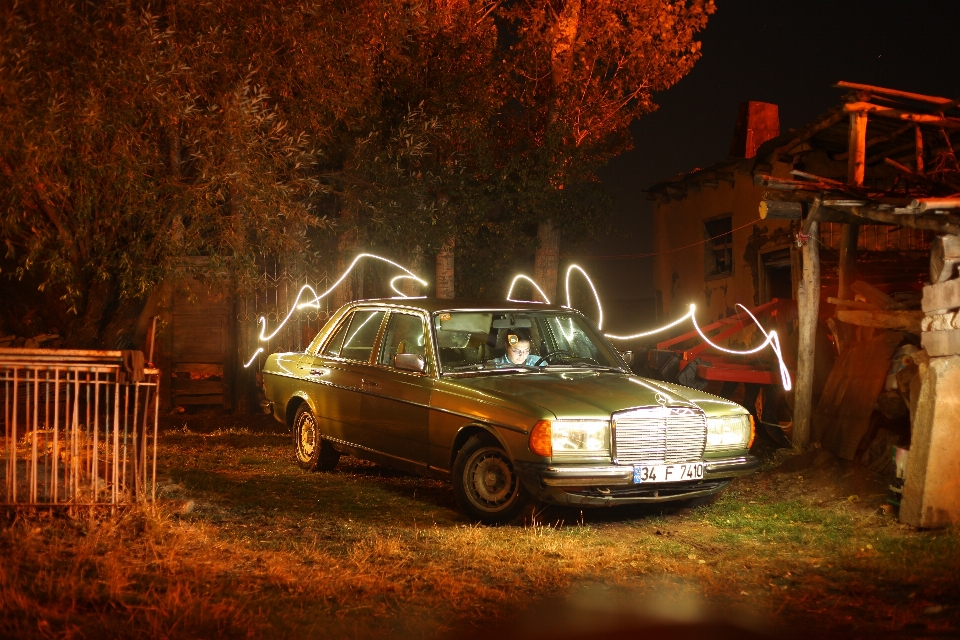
(253, 357)
(653, 331)
(317, 297)
(596, 296)
(771, 338)
(315, 303)
(401, 293)
(531, 281)
(774, 339)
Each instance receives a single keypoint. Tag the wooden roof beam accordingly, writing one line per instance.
(879, 140)
(830, 118)
(897, 114)
(882, 91)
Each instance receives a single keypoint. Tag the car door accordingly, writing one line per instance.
(396, 402)
(335, 374)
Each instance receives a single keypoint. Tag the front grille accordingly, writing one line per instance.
(662, 435)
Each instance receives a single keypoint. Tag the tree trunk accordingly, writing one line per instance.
(409, 286)
(85, 332)
(346, 252)
(547, 261)
(445, 273)
(564, 33)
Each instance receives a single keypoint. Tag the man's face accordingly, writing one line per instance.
(517, 353)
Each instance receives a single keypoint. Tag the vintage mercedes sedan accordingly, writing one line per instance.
(512, 401)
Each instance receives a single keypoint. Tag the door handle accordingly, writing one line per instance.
(369, 383)
(317, 372)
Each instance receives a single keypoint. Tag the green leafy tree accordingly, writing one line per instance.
(409, 181)
(130, 140)
(580, 72)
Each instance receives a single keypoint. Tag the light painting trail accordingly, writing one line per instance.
(315, 303)
(531, 281)
(596, 296)
(770, 338)
(253, 357)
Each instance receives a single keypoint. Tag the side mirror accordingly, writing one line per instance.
(627, 357)
(409, 362)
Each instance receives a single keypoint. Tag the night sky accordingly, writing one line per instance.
(788, 53)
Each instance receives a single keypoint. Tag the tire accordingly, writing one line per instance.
(485, 483)
(313, 452)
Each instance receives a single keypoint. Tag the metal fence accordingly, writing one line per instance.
(275, 293)
(80, 428)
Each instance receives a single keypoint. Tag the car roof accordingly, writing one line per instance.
(431, 305)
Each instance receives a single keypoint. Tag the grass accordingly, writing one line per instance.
(365, 551)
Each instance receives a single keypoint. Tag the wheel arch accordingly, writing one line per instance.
(470, 430)
(293, 405)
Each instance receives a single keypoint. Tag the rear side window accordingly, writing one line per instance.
(360, 336)
(334, 344)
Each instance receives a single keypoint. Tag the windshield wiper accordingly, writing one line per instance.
(587, 365)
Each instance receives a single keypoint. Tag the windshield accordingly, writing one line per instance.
(527, 340)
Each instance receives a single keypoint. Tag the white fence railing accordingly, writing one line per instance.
(80, 427)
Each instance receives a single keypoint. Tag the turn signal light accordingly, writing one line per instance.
(541, 439)
(753, 432)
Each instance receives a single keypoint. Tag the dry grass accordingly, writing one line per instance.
(364, 551)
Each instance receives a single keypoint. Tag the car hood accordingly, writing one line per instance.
(593, 394)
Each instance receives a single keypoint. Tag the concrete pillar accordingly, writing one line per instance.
(931, 489)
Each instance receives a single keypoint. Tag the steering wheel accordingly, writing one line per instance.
(547, 357)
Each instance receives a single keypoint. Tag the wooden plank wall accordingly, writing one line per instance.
(199, 345)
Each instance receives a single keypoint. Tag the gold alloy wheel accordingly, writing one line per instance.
(307, 437)
(490, 481)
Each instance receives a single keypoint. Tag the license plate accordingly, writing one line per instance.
(668, 472)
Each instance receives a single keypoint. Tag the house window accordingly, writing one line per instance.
(718, 249)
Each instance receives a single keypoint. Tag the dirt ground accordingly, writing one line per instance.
(244, 544)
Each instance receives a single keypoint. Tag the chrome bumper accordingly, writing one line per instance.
(617, 475)
(613, 484)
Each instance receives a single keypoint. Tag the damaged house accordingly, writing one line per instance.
(850, 225)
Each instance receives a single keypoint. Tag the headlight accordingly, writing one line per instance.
(728, 432)
(570, 438)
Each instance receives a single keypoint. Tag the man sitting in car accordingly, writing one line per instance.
(517, 352)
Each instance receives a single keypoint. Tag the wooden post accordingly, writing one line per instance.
(856, 165)
(857, 141)
(547, 260)
(796, 268)
(919, 148)
(808, 307)
(445, 272)
(847, 267)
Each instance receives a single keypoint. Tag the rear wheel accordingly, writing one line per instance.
(485, 483)
(313, 452)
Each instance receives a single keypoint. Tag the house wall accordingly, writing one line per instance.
(680, 275)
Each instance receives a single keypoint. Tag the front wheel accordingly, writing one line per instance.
(485, 483)
(313, 452)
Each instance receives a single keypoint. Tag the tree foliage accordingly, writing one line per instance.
(580, 71)
(137, 134)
